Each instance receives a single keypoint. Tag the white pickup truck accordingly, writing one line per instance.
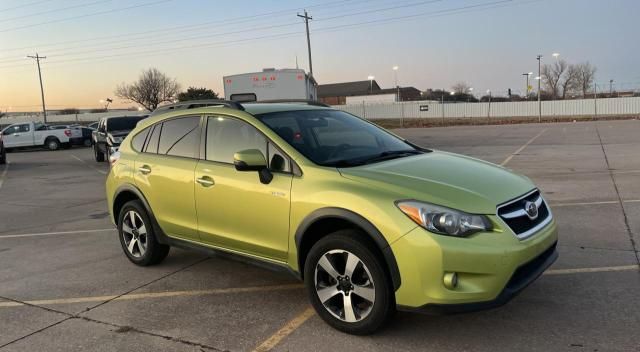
(34, 134)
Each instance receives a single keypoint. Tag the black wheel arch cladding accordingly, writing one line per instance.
(357, 221)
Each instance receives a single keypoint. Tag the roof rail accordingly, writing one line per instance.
(291, 101)
(194, 104)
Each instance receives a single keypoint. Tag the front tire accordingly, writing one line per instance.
(137, 237)
(347, 283)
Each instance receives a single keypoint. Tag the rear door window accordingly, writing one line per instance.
(180, 137)
(138, 141)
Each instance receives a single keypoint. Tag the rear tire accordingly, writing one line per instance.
(99, 156)
(358, 281)
(137, 236)
(52, 143)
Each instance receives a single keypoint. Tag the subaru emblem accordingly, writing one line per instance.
(531, 209)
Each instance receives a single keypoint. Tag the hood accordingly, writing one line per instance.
(446, 179)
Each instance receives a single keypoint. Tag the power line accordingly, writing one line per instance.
(54, 10)
(24, 5)
(380, 10)
(182, 39)
(85, 15)
(182, 28)
(439, 13)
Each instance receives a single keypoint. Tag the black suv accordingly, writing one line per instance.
(110, 133)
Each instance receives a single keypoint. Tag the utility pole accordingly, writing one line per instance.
(38, 57)
(306, 22)
(539, 79)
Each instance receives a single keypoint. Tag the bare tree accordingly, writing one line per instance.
(551, 76)
(152, 89)
(586, 76)
(570, 82)
(461, 88)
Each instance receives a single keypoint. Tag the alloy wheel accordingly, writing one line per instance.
(134, 233)
(344, 286)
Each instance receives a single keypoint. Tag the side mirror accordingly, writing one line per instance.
(253, 160)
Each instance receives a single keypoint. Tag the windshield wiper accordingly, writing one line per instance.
(388, 155)
(393, 154)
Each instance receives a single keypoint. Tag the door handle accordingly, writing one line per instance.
(16, 134)
(144, 169)
(205, 181)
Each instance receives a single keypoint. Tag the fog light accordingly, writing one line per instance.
(450, 280)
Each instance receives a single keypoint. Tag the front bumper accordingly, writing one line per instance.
(492, 268)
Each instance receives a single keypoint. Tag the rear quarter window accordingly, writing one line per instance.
(138, 141)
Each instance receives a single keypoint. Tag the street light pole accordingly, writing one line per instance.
(489, 107)
(526, 90)
(539, 79)
(370, 78)
(395, 71)
(610, 88)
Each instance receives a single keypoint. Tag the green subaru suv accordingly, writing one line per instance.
(369, 221)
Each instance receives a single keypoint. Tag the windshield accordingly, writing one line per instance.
(123, 123)
(336, 138)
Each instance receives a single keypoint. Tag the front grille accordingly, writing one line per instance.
(523, 224)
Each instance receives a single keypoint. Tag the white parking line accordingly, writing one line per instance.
(136, 296)
(285, 330)
(55, 233)
(91, 166)
(592, 270)
(508, 159)
(556, 205)
(4, 173)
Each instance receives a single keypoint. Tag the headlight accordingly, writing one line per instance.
(443, 220)
(117, 140)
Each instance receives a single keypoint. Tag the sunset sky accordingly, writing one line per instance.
(93, 45)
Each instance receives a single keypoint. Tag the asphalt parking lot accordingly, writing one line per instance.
(65, 284)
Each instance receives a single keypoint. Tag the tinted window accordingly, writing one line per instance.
(243, 98)
(226, 136)
(180, 137)
(123, 123)
(152, 145)
(138, 141)
(24, 128)
(335, 138)
(10, 130)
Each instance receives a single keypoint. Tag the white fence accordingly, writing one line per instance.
(431, 109)
(72, 118)
(425, 109)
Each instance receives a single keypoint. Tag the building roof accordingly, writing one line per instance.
(346, 89)
(402, 90)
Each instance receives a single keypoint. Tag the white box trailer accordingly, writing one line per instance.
(270, 84)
